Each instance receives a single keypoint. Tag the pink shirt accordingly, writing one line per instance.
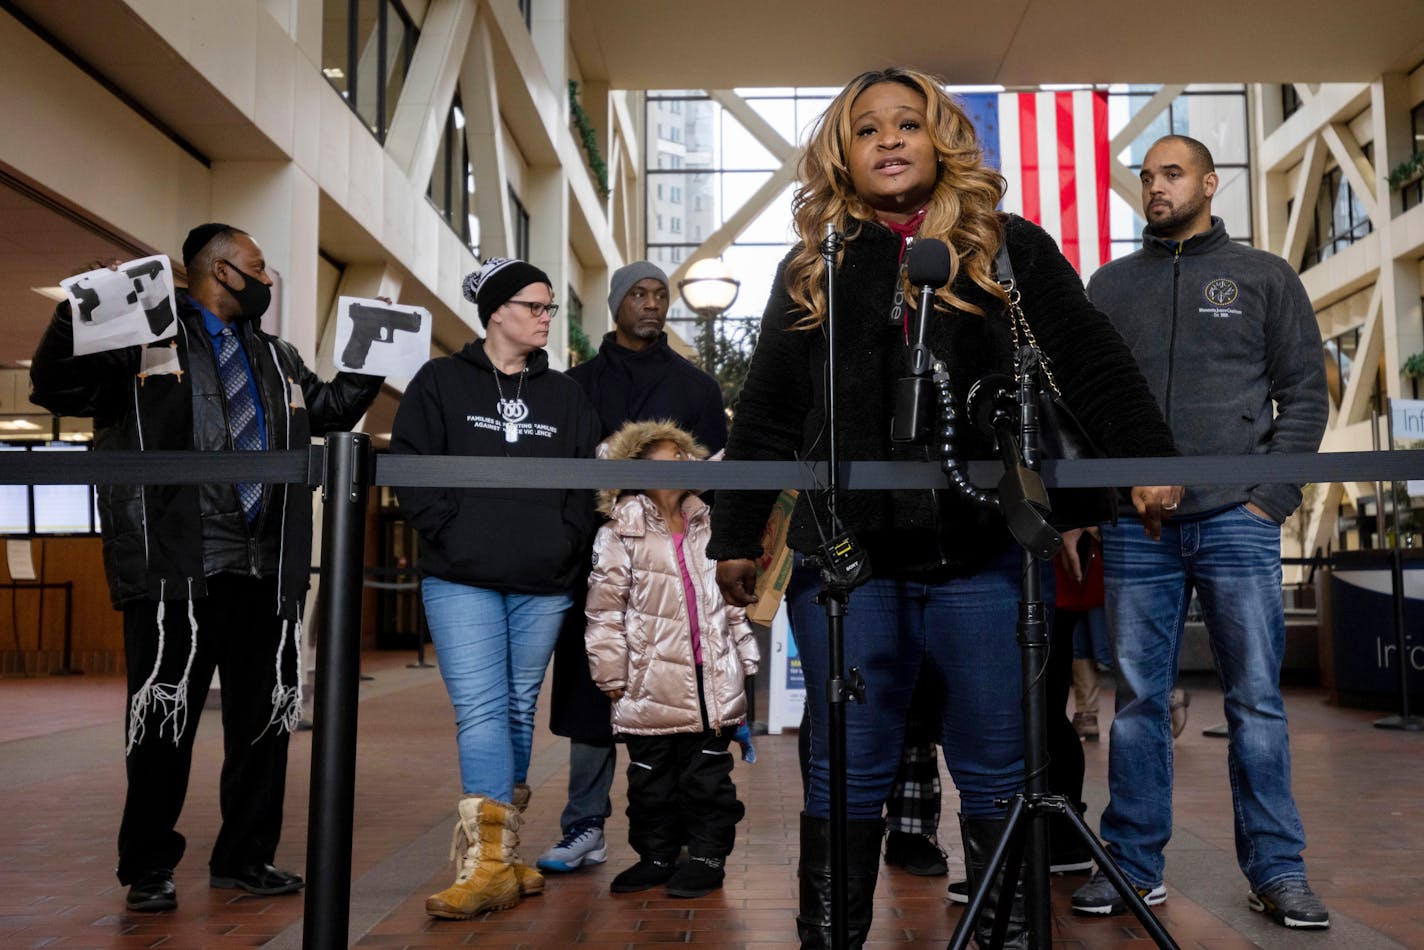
(691, 593)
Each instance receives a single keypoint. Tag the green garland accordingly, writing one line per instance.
(579, 343)
(1406, 171)
(590, 142)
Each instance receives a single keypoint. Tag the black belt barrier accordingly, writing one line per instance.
(344, 471)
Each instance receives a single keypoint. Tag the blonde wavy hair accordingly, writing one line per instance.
(960, 211)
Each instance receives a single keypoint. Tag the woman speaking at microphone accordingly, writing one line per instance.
(893, 159)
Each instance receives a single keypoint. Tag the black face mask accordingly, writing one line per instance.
(253, 297)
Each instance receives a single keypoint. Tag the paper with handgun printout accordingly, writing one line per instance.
(128, 306)
(381, 339)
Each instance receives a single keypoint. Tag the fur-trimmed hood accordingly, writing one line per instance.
(631, 441)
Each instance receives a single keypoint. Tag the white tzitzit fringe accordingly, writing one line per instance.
(287, 700)
(169, 698)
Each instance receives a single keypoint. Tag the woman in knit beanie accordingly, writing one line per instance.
(496, 564)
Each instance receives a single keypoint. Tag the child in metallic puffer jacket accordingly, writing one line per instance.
(671, 655)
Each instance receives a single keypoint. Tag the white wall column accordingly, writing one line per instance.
(277, 204)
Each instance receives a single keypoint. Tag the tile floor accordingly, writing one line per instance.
(1361, 792)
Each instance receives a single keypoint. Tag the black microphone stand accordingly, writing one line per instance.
(843, 567)
(1024, 504)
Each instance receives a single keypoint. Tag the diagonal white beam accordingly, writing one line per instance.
(1307, 189)
(1124, 181)
(1355, 400)
(756, 126)
(1356, 167)
(429, 87)
(720, 239)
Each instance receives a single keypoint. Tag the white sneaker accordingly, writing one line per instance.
(579, 846)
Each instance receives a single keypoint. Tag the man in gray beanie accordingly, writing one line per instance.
(635, 377)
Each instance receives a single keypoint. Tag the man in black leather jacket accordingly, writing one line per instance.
(207, 576)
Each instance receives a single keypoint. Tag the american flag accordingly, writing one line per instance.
(1052, 147)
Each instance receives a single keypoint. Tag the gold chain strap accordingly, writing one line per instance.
(1019, 323)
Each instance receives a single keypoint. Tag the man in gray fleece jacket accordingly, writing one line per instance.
(1229, 344)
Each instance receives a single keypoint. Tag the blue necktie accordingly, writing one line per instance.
(241, 415)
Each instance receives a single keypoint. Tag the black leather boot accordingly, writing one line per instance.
(813, 920)
(980, 836)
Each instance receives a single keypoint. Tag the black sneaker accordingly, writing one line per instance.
(696, 877)
(153, 892)
(918, 854)
(1291, 904)
(648, 872)
(959, 892)
(1069, 857)
(1100, 898)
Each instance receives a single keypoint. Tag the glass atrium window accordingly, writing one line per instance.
(452, 181)
(367, 47)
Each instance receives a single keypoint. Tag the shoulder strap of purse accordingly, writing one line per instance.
(1004, 275)
(1003, 267)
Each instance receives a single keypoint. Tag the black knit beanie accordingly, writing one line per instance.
(499, 279)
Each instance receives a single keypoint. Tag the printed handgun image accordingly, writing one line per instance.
(378, 337)
(371, 323)
(107, 295)
(130, 304)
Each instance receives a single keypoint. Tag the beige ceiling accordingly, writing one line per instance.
(651, 44)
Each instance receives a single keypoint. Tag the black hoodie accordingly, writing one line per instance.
(514, 540)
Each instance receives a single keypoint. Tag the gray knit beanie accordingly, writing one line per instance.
(625, 277)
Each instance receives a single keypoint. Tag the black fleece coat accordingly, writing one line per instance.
(514, 540)
(169, 396)
(922, 534)
(656, 383)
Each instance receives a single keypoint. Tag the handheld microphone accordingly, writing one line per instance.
(928, 269)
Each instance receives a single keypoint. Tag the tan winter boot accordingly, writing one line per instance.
(531, 882)
(486, 836)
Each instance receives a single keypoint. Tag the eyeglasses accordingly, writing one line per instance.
(538, 309)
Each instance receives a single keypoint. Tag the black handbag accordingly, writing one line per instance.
(1060, 434)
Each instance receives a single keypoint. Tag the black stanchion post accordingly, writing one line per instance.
(345, 477)
(66, 659)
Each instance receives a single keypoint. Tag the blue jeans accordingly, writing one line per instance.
(1090, 637)
(1232, 559)
(962, 633)
(493, 650)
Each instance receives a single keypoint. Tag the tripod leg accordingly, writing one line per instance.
(1109, 868)
(992, 846)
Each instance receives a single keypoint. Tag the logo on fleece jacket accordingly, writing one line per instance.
(1221, 293)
